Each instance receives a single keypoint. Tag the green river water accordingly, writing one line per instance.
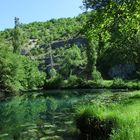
(42, 115)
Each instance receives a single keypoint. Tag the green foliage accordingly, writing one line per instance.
(52, 73)
(115, 23)
(33, 77)
(72, 60)
(55, 82)
(76, 82)
(96, 76)
(91, 51)
(119, 83)
(11, 71)
(113, 34)
(54, 29)
(16, 40)
(72, 80)
(95, 127)
(99, 84)
(18, 72)
(118, 120)
(17, 37)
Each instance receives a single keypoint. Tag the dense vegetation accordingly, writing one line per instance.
(18, 72)
(77, 52)
(99, 49)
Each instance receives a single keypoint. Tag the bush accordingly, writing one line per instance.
(18, 72)
(95, 84)
(82, 83)
(96, 76)
(76, 82)
(52, 73)
(118, 83)
(55, 82)
(72, 80)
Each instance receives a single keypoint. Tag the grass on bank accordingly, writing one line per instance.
(119, 120)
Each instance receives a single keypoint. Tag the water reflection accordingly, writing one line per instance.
(40, 115)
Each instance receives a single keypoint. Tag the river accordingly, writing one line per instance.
(42, 115)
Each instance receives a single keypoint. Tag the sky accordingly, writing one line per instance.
(36, 10)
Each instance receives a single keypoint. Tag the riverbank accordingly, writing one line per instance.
(90, 84)
(114, 117)
(78, 84)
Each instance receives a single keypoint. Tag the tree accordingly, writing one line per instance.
(114, 17)
(91, 51)
(11, 72)
(17, 42)
(72, 58)
(33, 78)
(18, 72)
(113, 22)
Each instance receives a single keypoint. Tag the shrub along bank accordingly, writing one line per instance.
(74, 82)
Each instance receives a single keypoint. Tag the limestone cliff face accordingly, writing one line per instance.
(47, 57)
(77, 41)
(80, 41)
